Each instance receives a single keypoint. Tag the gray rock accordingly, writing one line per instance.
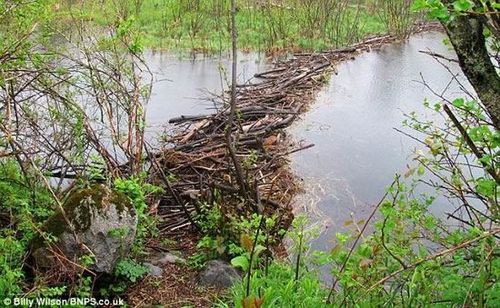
(154, 270)
(218, 274)
(105, 224)
(166, 258)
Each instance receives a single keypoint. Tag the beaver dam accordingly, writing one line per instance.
(197, 157)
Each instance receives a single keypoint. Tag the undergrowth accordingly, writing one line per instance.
(24, 208)
(203, 26)
(412, 257)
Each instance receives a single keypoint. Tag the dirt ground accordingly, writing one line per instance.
(177, 287)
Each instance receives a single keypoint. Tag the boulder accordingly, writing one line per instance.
(164, 258)
(153, 270)
(219, 274)
(105, 224)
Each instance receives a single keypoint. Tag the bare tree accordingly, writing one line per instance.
(230, 139)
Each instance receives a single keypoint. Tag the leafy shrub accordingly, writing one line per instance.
(25, 207)
(130, 269)
(277, 287)
(138, 191)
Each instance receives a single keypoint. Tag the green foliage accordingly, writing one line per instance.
(277, 287)
(251, 254)
(446, 11)
(51, 292)
(398, 16)
(223, 234)
(250, 160)
(232, 238)
(204, 25)
(469, 275)
(26, 207)
(18, 20)
(138, 191)
(11, 252)
(130, 269)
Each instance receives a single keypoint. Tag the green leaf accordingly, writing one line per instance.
(486, 187)
(342, 238)
(458, 102)
(240, 261)
(462, 5)
(440, 13)
(419, 5)
(421, 170)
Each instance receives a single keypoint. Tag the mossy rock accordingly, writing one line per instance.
(104, 222)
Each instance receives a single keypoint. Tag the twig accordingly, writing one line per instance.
(471, 144)
(357, 239)
(434, 256)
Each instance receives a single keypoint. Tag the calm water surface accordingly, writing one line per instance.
(357, 152)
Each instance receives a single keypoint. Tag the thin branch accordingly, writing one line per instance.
(375, 209)
(471, 144)
(434, 256)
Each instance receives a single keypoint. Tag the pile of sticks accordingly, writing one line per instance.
(198, 158)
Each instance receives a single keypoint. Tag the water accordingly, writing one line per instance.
(182, 85)
(357, 152)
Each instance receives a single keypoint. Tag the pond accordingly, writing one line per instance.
(357, 150)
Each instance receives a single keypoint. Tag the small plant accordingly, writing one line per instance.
(250, 256)
(84, 282)
(130, 270)
(250, 160)
(11, 251)
(138, 191)
(25, 205)
(119, 233)
(197, 260)
(276, 286)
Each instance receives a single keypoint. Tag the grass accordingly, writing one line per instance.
(196, 25)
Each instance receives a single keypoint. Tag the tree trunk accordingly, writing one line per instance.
(232, 111)
(466, 35)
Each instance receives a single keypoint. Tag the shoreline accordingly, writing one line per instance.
(289, 86)
(266, 108)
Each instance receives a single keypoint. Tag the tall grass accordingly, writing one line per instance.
(264, 25)
(397, 16)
